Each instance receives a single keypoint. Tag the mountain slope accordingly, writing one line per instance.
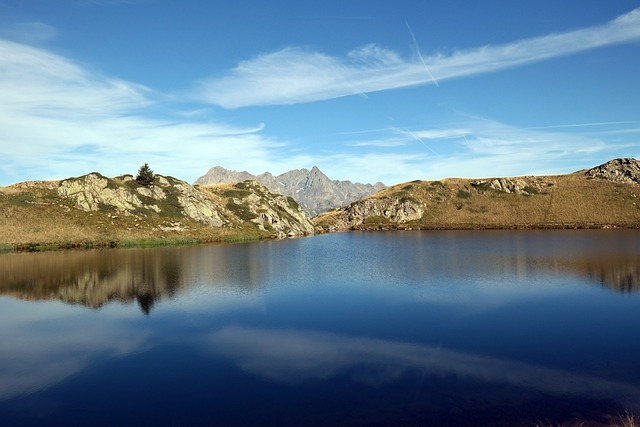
(605, 196)
(93, 209)
(312, 189)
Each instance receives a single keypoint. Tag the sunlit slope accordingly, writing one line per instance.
(93, 210)
(562, 201)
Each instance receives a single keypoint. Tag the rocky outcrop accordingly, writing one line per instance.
(123, 195)
(626, 171)
(527, 186)
(372, 212)
(252, 202)
(312, 189)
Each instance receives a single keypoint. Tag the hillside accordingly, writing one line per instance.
(312, 189)
(95, 210)
(605, 196)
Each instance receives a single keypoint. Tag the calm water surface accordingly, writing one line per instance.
(402, 328)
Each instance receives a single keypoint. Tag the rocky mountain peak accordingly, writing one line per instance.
(312, 189)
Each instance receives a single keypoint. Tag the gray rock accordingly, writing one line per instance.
(625, 171)
(312, 189)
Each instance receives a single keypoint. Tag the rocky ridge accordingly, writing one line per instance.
(94, 192)
(572, 200)
(94, 208)
(312, 189)
(252, 202)
(625, 171)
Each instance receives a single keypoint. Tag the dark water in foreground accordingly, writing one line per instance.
(404, 328)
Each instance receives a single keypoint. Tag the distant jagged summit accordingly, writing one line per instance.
(312, 189)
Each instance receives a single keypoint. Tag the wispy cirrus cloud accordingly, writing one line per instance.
(480, 147)
(60, 119)
(295, 75)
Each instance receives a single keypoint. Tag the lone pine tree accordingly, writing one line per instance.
(145, 175)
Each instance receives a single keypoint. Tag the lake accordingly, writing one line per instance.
(381, 328)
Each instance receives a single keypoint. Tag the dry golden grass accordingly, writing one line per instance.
(31, 214)
(562, 201)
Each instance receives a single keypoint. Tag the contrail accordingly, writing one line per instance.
(467, 142)
(415, 42)
(417, 138)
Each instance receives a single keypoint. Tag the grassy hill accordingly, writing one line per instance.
(93, 210)
(581, 199)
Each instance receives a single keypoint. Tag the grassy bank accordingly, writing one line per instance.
(563, 201)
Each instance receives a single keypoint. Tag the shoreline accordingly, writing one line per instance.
(146, 242)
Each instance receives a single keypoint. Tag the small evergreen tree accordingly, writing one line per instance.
(145, 175)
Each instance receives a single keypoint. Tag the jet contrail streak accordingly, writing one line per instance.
(415, 42)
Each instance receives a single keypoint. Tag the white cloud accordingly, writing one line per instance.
(37, 359)
(478, 148)
(295, 75)
(291, 356)
(58, 119)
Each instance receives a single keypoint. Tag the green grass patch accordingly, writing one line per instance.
(463, 194)
(292, 203)
(157, 242)
(5, 248)
(484, 186)
(530, 190)
(170, 206)
(241, 211)
(405, 199)
(22, 199)
(242, 238)
(236, 194)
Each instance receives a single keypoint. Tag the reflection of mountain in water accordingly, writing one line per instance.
(92, 278)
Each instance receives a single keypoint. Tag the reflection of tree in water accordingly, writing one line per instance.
(93, 278)
(145, 302)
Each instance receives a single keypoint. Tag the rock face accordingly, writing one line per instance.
(93, 192)
(375, 211)
(253, 202)
(625, 171)
(312, 189)
(528, 185)
(247, 203)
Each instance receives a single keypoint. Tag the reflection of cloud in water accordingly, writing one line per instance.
(43, 347)
(292, 356)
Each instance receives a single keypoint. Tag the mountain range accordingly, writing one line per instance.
(312, 189)
(93, 210)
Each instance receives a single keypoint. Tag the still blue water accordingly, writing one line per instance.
(393, 328)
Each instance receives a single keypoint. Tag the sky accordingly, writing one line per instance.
(390, 90)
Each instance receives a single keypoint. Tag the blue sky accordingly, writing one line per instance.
(387, 91)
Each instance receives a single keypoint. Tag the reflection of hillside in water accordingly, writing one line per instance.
(94, 278)
(91, 278)
(97, 277)
(619, 274)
